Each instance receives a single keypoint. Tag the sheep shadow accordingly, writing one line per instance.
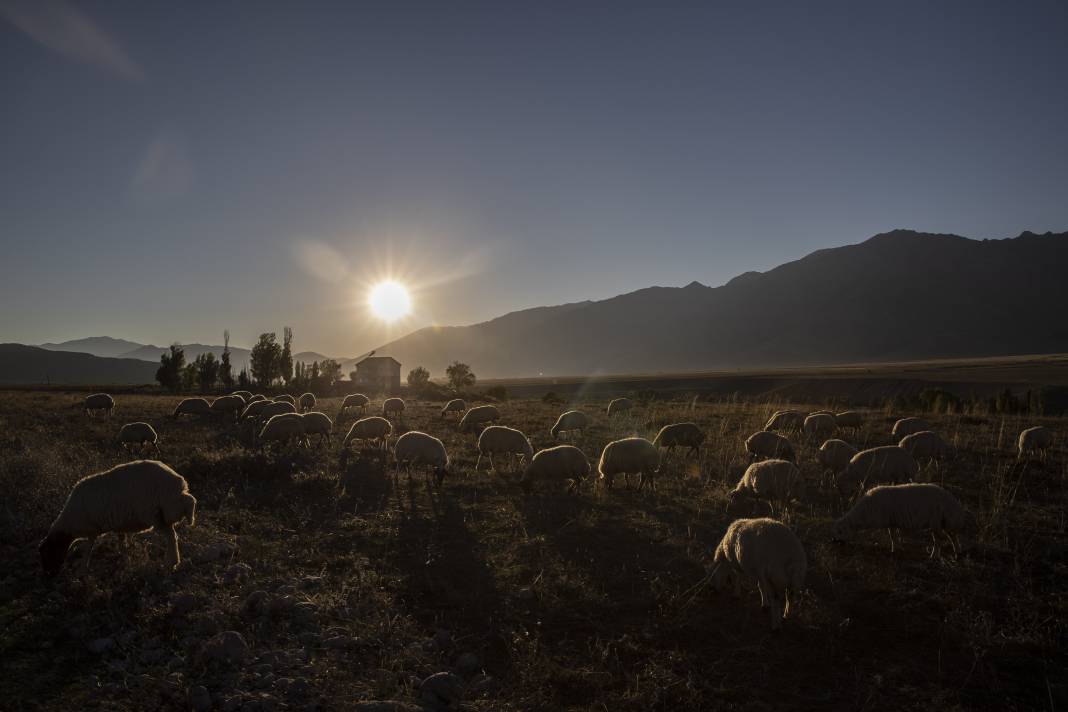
(364, 480)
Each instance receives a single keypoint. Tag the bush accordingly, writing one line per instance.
(551, 398)
(498, 392)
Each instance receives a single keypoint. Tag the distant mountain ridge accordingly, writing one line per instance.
(21, 364)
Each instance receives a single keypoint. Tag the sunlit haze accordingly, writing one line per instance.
(389, 301)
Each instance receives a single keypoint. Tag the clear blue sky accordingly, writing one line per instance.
(168, 170)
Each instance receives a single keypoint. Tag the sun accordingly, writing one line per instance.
(389, 300)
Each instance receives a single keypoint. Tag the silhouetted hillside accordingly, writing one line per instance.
(899, 295)
(32, 364)
(238, 356)
(104, 346)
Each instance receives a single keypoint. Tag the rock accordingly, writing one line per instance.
(255, 604)
(442, 689)
(100, 645)
(227, 648)
(199, 699)
(468, 664)
(386, 706)
(236, 573)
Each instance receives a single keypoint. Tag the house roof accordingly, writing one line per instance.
(378, 359)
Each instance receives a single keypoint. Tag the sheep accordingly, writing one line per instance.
(285, 398)
(191, 406)
(257, 397)
(619, 406)
(456, 405)
(394, 406)
(316, 423)
(98, 401)
(835, 455)
(284, 428)
(569, 422)
(373, 428)
(785, 420)
(626, 456)
(772, 480)
(819, 425)
(138, 434)
(1038, 439)
(306, 402)
(926, 445)
(479, 415)
(554, 464)
(685, 434)
(354, 400)
(417, 448)
(253, 409)
(128, 498)
(502, 440)
(273, 408)
(877, 465)
(851, 419)
(767, 444)
(228, 405)
(767, 551)
(245, 395)
(908, 426)
(910, 507)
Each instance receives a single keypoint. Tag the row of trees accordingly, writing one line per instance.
(459, 376)
(204, 371)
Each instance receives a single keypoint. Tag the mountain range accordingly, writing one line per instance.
(897, 296)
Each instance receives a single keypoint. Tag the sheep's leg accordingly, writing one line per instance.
(478, 461)
(88, 554)
(891, 535)
(765, 591)
(170, 541)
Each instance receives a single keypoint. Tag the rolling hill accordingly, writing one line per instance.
(31, 364)
(104, 346)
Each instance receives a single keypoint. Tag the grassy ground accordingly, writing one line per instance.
(565, 601)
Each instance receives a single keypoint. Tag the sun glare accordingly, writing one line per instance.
(389, 301)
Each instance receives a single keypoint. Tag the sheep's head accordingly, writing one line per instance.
(722, 575)
(841, 532)
(53, 549)
(439, 475)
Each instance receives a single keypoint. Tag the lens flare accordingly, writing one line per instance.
(389, 301)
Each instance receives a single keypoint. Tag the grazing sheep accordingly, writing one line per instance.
(877, 465)
(245, 395)
(253, 409)
(835, 455)
(819, 425)
(908, 426)
(273, 408)
(354, 400)
(851, 419)
(569, 422)
(926, 445)
(771, 480)
(627, 456)
(687, 435)
(98, 401)
(230, 405)
(1038, 439)
(557, 464)
(767, 444)
(786, 420)
(283, 428)
(129, 498)
(373, 428)
(911, 507)
(479, 415)
(619, 406)
(286, 398)
(394, 406)
(191, 406)
(768, 552)
(306, 402)
(456, 405)
(502, 440)
(316, 423)
(138, 434)
(257, 397)
(416, 448)
(823, 412)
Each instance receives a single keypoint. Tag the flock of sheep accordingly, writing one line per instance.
(147, 494)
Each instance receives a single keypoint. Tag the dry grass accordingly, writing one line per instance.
(570, 602)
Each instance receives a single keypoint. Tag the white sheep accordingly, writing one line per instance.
(479, 415)
(456, 405)
(316, 423)
(129, 498)
(253, 409)
(373, 428)
(926, 445)
(257, 397)
(687, 435)
(98, 401)
(306, 402)
(1038, 439)
(785, 420)
(851, 419)
(354, 400)
(191, 406)
(629, 456)
(285, 398)
(563, 463)
(417, 448)
(273, 408)
(244, 395)
(393, 406)
(819, 425)
(230, 405)
(569, 422)
(877, 465)
(502, 440)
(835, 455)
(908, 426)
(283, 428)
(910, 507)
(768, 552)
(619, 406)
(767, 444)
(771, 480)
(138, 434)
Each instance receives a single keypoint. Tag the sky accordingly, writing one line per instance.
(171, 170)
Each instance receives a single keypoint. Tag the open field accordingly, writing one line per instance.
(582, 602)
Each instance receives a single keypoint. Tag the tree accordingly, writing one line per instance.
(329, 373)
(226, 371)
(189, 377)
(171, 363)
(207, 370)
(265, 359)
(285, 362)
(243, 380)
(460, 375)
(418, 377)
